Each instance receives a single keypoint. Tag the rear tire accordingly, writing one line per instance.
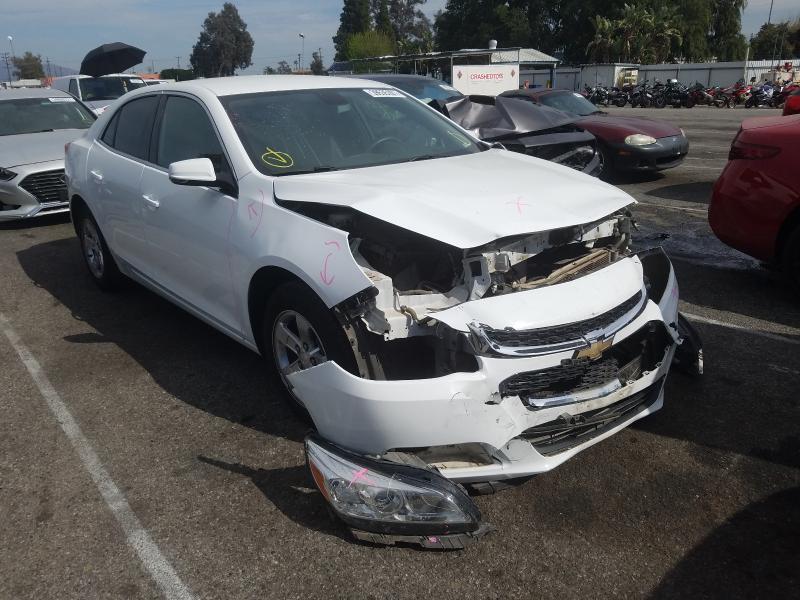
(300, 332)
(96, 255)
(790, 261)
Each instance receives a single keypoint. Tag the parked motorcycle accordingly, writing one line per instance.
(641, 95)
(698, 94)
(761, 95)
(597, 95)
(672, 93)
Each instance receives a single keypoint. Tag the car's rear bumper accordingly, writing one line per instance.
(471, 428)
(666, 153)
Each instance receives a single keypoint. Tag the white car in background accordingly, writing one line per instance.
(98, 92)
(34, 126)
(446, 312)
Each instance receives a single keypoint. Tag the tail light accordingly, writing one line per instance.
(743, 151)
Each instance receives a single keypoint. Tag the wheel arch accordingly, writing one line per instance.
(77, 207)
(263, 284)
(791, 223)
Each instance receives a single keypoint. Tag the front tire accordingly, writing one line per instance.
(300, 332)
(96, 255)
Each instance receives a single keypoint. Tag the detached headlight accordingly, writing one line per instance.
(385, 502)
(639, 139)
(6, 175)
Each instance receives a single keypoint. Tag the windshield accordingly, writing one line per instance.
(571, 102)
(426, 91)
(33, 115)
(302, 131)
(107, 88)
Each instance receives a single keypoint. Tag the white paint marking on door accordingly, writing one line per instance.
(758, 332)
(137, 537)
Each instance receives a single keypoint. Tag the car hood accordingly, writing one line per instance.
(465, 201)
(501, 118)
(30, 148)
(615, 128)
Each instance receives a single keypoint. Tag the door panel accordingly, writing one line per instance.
(187, 227)
(114, 188)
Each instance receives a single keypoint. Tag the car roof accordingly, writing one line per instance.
(33, 93)
(396, 77)
(250, 84)
(78, 76)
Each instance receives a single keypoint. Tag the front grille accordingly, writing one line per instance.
(623, 362)
(558, 334)
(568, 431)
(572, 375)
(47, 186)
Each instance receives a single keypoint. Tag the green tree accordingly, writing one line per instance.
(726, 40)
(268, 70)
(177, 74)
(284, 68)
(355, 18)
(368, 44)
(600, 48)
(773, 41)
(224, 44)
(412, 29)
(28, 66)
(382, 21)
(694, 24)
(317, 68)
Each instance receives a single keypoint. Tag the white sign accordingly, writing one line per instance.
(487, 80)
(379, 93)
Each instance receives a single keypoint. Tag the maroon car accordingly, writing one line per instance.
(627, 143)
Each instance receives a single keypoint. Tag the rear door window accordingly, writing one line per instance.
(134, 126)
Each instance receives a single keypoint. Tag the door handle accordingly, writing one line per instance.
(151, 201)
(97, 175)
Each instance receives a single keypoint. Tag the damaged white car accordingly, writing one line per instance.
(451, 315)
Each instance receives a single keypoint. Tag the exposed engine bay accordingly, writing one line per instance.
(414, 277)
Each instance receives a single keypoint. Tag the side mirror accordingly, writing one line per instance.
(195, 171)
(200, 172)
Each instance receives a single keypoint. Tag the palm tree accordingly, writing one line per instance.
(603, 42)
(636, 27)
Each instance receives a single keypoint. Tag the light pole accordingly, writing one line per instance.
(303, 37)
(13, 55)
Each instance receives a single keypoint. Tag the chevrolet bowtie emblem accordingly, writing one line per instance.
(595, 349)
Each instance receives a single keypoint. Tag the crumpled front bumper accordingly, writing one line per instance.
(468, 409)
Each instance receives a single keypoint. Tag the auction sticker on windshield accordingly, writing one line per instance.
(385, 93)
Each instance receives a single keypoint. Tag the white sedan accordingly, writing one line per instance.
(448, 313)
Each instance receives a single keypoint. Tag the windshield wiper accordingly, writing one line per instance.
(422, 157)
(321, 169)
(41, 131)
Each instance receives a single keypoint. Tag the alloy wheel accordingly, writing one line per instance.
(295, 344)
(92, 249)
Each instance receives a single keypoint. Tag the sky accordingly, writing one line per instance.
(167, 29)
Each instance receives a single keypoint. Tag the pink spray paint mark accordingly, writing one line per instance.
(256, 209)
(323, 275)
(362, 474)
(519, 204)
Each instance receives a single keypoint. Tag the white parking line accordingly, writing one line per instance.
(656, 205)
(137, 537)
(758, 332)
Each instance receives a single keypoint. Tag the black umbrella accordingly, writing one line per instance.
(111, 58)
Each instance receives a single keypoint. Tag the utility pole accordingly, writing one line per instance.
(13, 55)
(299, 64)
(8, 69)
(47, 61)
(179, 62)
(320, 59)
(303, 37)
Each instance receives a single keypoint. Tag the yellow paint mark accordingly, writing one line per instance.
(279, 160)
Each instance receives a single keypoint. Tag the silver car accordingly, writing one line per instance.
(35, 125)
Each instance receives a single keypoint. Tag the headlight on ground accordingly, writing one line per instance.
(386, 502)
(6, 175)
(639, 139)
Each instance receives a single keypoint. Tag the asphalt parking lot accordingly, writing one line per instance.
(700, 500)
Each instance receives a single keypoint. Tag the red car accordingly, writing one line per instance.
(792, 104)
(755, 206)
(626, 143)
